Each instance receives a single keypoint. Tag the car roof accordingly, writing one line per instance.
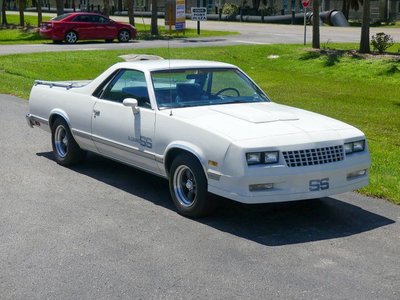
(158, 65)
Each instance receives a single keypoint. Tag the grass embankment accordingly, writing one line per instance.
(30, 35)
(359, 91)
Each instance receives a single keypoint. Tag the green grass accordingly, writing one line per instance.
(361, 92)
(23, 36)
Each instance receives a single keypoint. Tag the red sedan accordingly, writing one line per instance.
(72, 27)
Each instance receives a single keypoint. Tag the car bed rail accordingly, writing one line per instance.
(67, 85)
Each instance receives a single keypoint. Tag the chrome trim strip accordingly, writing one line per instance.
(82, 134)
(159, 158)
(31, 119)
(123, 147)
(213, 176)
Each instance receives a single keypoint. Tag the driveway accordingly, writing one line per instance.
(103, 230)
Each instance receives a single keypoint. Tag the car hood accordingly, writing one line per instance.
(264, 120)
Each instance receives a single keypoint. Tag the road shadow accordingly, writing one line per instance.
(201, 41)
(273, 224)
(83, 42)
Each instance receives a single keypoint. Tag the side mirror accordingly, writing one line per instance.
(133, 103)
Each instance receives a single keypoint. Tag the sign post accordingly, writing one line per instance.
(199, 14)
(305, 4)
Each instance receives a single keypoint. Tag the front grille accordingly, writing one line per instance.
(311, 157)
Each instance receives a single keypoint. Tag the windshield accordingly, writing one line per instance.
(196, 87)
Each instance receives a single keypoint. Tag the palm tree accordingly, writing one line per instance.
(131, 11)
(106, 9)
(21, 4)
(60, 7)
(347, 4)
(364, 42)
(39, 11)
(315, 35)
(3, 13)
(154, 25)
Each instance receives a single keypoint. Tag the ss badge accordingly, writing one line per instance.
(318, 184)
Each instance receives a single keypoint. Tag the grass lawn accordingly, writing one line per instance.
(359, 91)
(22, 36)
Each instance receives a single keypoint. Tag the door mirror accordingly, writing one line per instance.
(133, 103)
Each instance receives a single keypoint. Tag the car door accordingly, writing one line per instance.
(105, 28)
(117, 130)
(83, 26)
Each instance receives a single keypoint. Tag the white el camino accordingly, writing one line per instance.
(206, 127)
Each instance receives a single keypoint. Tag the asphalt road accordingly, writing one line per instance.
(103, 230)
(250, 34)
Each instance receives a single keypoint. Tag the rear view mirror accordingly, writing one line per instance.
(133, 103)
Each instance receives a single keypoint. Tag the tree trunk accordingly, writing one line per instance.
(345, 8)
(60, 7)
(364, 42)
(106, 8)
(39, 11)
(256, 4)
(131, 12)
(21, 4)
(315, 29)
(3, 12)
(154, 25)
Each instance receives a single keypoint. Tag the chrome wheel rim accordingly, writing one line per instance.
(61, 141)
(124, 36)
(71, 37)
(185, 186)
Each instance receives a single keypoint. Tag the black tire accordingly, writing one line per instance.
(71, 37)
(124, 36)
(188, 187)
(66, 151)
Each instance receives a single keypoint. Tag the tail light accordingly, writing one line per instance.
(46, 25)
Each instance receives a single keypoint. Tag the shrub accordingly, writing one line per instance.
(231, 10)
(381, 42)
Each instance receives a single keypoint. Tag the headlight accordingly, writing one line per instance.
(356, 146)
(267, 157)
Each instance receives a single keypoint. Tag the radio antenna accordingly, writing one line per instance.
(170, 77)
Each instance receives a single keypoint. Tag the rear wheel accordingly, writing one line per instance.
(66, 150)
(188, 187)
(124, 36)
(71, 37)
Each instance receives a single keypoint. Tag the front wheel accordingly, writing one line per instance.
(124, 36)
(66, 150)
(188, 187)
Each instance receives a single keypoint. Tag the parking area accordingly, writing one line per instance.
(103, 230)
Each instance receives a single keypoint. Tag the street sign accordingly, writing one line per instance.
(305, 3)
(199, 13)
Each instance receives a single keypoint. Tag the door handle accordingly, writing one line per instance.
(96, 113)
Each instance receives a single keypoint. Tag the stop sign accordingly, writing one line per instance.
(305, 3)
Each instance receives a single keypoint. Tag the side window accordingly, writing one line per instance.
(81, 18)
(128, 84)
(102, 20)
(94, 19)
